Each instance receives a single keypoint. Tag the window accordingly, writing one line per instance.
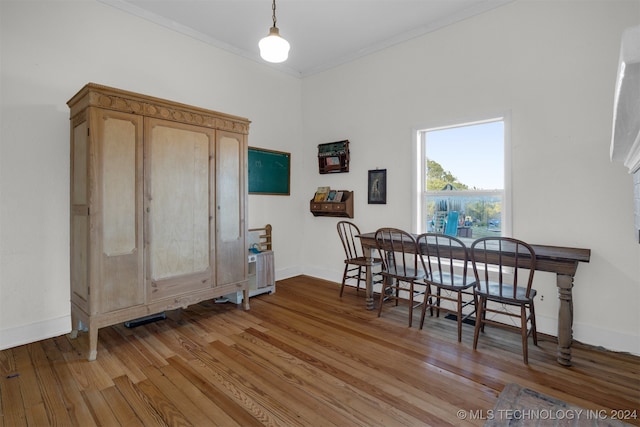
(461, 178)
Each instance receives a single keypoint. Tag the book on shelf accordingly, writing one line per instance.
(331, 196)
(338, 196)
(333, 161)
(321, 194)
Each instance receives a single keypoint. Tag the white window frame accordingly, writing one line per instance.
(418, 171)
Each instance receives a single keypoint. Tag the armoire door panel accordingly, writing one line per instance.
(80, 213)
(79, 160)
(178, 203)
(119, 187)
(79, 257)
(231, 199)
(179, 285)
(229, 196)
(118, 221)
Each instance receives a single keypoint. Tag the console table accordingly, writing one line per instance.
(555, 259)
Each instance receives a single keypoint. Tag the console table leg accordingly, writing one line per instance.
(565, 319)
(366, 251)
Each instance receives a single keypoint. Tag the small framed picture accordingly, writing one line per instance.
(377, 187)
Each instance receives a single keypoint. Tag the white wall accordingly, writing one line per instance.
(49, 50)
(552, 66)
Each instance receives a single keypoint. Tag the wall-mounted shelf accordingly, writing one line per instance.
(333, 157)
(338, 209)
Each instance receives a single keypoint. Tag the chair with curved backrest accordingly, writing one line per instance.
(445, 261)
(504, 269)
(355, 262)
(401, 270)
(451, 227)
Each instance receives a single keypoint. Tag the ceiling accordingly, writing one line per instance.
(322, 33)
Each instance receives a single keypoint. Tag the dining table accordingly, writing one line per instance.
(563, 261)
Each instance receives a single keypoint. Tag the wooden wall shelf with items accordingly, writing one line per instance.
(333, 157)
(337, 203)
(158, 207)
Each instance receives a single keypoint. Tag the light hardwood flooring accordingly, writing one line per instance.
(299, 357)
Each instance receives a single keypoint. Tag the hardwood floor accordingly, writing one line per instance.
(299, 357)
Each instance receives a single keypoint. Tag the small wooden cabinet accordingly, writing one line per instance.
(261, 273)
(333, 157)
(338, 209)
(158, 206)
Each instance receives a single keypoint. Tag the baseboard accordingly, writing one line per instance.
(332, 276)
(286, 273)
(607, 339)
(25, 334)
(610, 340)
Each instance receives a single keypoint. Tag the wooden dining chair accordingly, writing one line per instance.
(355, 263)
(401, 270)
(445, 261)
(503, 268)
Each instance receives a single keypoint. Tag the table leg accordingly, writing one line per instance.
(565, 318)
(366, 251)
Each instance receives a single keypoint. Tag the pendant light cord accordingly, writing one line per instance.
(273, 7)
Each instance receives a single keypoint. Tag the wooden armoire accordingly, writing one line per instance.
(158, 207)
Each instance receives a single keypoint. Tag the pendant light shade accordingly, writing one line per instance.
(274, 48)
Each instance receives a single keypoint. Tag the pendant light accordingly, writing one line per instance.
(274, 48)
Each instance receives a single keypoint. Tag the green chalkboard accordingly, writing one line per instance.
(269, 172)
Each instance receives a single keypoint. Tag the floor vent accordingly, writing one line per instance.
(144, 320)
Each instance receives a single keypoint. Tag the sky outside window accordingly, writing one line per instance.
(474, 153)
